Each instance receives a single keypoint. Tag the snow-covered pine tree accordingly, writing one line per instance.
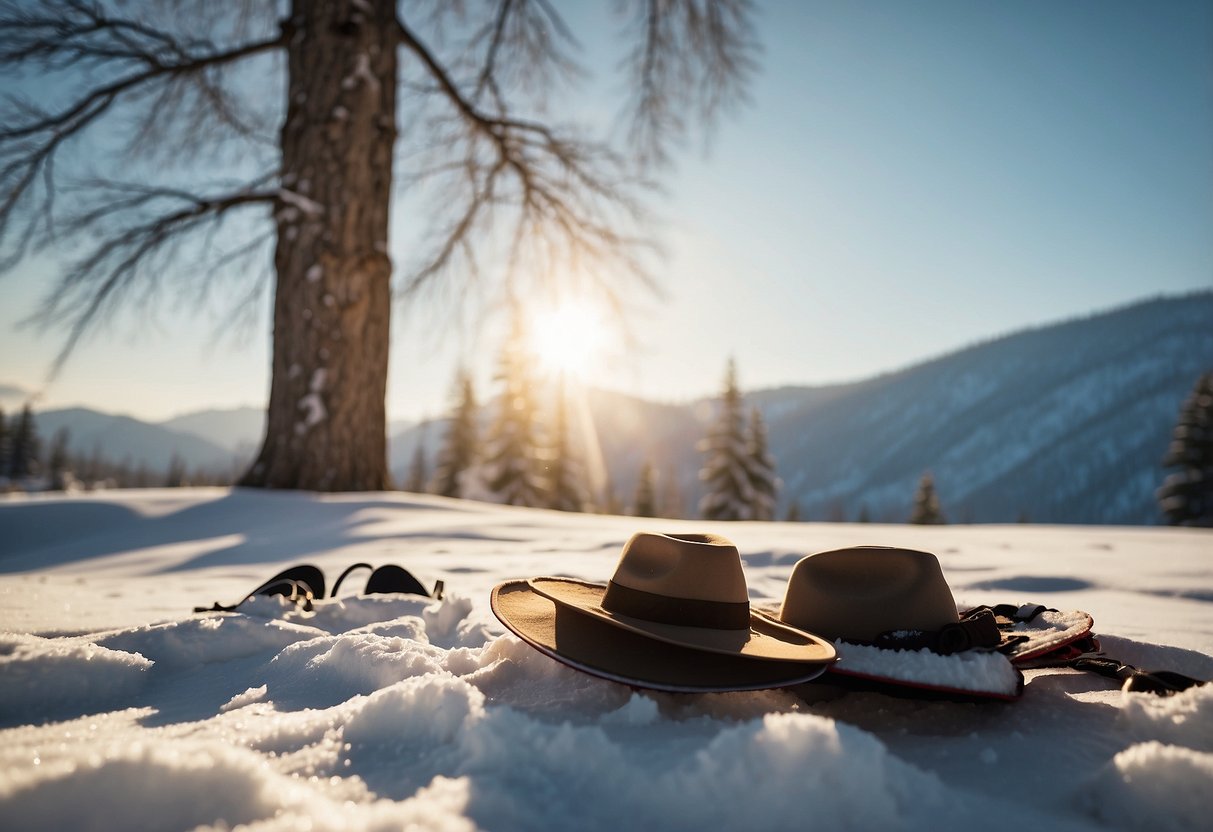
(644, 503)
(513, 461)
(461, 444)
(926, 503)
(565, 475)
(25, 447)
(726, 470)
(761, 465)
(1186, 496)
(417, 469)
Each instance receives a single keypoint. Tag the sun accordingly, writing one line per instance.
(568, 338)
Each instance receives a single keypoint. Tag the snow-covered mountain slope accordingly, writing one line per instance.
(239, 430)
(119, 709)
(1062, 424)
(123, 438)
(1066, 423)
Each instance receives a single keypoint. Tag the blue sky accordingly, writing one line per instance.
(908, 178)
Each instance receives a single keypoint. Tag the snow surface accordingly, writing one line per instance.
(119, 709)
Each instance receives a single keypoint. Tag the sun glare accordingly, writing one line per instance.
(568, 338)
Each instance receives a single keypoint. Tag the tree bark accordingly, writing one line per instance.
(326, 425)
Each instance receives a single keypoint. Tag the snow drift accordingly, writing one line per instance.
(121, 710)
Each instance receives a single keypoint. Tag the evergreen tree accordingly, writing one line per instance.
(1186, 496)
(141, 478)
(726, 467)
(417, 469)
(58, 465)
(175, 476)
(461, 445)
(25, 450)
(482, 157)
(761, 466)
(565, 476)
(864, 515)
(5, 445)
(94, 469)
(793, 515)
(671, 503)
(611, 504)
(644, 504)
(514, 458)
(926, 503)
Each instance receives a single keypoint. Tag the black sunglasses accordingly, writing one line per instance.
(305, 583)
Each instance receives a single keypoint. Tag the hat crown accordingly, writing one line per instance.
(704, 567)
(858, 593)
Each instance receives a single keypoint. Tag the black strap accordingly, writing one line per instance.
(1160, 682)
(978, 629)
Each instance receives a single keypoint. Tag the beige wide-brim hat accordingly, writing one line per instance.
(879, 602)
(858, 594)
(675, 616)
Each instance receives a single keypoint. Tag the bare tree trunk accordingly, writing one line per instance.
(326, 424)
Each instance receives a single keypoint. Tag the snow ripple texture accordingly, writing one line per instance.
(393, 712)
(353, 717)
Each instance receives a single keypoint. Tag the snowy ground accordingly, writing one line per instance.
(119, 709)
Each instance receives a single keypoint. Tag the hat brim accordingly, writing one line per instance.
(601, 648)
(1047, 632)
(765, 639)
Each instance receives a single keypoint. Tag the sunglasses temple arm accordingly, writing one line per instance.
(298, 591)
(1110, 668)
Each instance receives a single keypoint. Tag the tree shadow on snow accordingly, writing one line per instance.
(1034, 583)
(272, 526)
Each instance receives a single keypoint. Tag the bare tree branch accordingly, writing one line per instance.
(498, 169)
(692, 58)
(127, 62)
(137, 228)
(565, 194)
(33, 135)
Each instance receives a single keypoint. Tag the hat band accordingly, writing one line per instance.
(686, 612)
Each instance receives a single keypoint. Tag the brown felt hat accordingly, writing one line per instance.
(675, 616)
(882, 600)
(857, 594)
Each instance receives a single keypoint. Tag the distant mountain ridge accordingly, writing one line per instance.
(125, 439)
(1062, 423)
